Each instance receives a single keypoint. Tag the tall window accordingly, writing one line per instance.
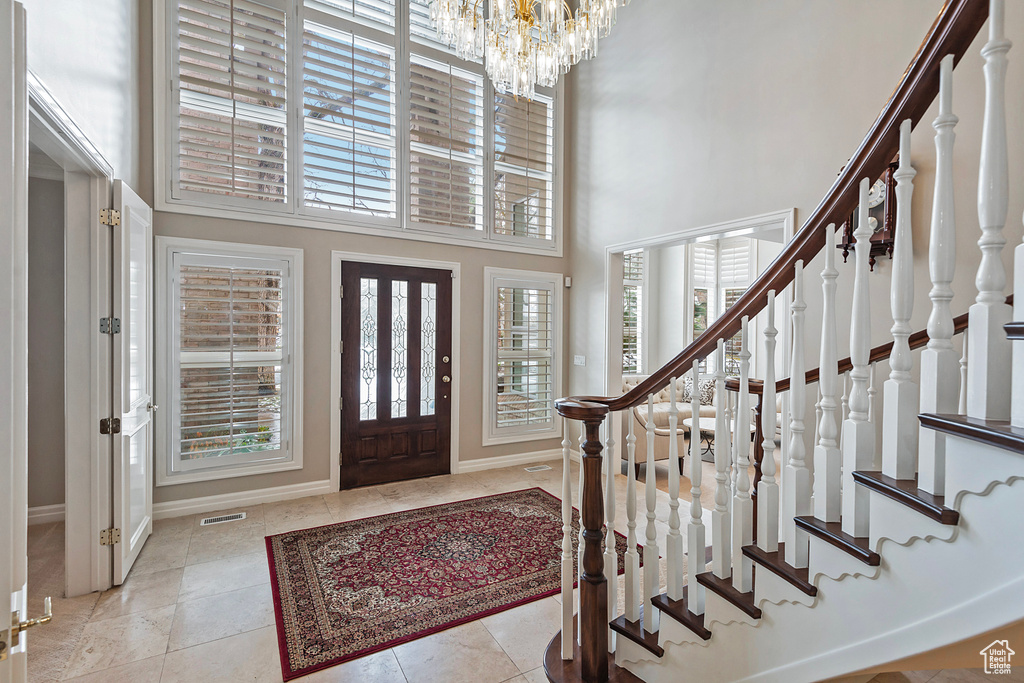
(523, 313)
(721, 270)
(324, 111)
(231, 373)
(632, 311)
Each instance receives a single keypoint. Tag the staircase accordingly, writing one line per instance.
(849, 557)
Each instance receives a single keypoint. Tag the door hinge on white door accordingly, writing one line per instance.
(110, 536)
(110, 425)
(110, 326)
(111, 217)
(341, 291)
(341, 347)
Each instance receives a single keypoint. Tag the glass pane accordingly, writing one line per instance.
(428, 346)
(399, 355)
(631, 328)
(524, 372)
(368, 348)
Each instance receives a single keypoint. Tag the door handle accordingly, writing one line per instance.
(446, 379)
(18, 626)
(151, 407)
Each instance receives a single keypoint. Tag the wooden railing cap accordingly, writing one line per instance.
(581, 408)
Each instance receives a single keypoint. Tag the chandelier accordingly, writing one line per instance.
(524, 43)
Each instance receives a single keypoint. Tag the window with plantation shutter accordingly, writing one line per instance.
(721, 272)
(232, 99)
(373, 11)
(632, 310)
(523, 166)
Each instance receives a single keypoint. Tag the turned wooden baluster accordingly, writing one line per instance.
(611, 557)
(827, 472)
(988, 382)
(721, 530)
(742, 506)
(652, 570)
(940, 363)
(674, 541)
(568, 576)
(900, 394)
(796, 483)
(633, 596)
(767, 487)
(695, 534)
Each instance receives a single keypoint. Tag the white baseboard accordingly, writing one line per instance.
(44, 514)
(192, 506)
(481, 464)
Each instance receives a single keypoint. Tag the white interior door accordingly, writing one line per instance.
(133, 377)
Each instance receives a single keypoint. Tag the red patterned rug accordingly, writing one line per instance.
(346, 590)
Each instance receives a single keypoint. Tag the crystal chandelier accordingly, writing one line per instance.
(524, 42)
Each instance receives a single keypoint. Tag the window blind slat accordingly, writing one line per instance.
(523, 142)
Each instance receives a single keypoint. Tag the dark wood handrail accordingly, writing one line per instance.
(958, 22)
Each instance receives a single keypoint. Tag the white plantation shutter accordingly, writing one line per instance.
(734, 263)
(704, 264)
(232, 99)
(349, 135)
(446, 160)
(525, 353)
(632, 310)
(523, 166)
(376, 11)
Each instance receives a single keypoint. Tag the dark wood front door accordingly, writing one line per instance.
(395, 373)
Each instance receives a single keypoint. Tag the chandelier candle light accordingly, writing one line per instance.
(524, 43)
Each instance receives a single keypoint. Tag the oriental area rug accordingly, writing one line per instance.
(347, 590)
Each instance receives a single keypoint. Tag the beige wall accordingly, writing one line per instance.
(45, 342)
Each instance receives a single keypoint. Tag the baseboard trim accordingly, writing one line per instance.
(192, 506)
(44, 514)
(481, 464)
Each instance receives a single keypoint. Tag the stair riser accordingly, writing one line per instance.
(896, 522)
(770, 587)
(831, 562)
(718, 610)
(672, 632)
(963, 473)
(626, 651)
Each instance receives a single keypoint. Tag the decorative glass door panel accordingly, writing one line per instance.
(396, 373)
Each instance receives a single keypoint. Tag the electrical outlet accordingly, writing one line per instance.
(579, 360)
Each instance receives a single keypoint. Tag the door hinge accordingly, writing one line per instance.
(341, 291)
(110, 326)
(341, 347)
(111, 217)
(110, 425)
(110, 536)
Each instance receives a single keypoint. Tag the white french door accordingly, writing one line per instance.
(132, 378)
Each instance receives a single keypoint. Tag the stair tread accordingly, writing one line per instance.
(906, 491)
(560, 670)
(634, 630)
(998, 433)
(1014, 330)
(680, 611)
(833, 533)
(776, 563)
(724, 588)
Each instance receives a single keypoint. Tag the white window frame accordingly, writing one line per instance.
(503, 277)
(292, 212)
(167, 358)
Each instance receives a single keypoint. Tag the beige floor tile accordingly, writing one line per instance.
(253, 517)
(535, 676)
(905, 677)
(138, 594)
(464, 654)
(112, 642)
(219, 616)
(524, 632)
(173, 526)
(142, 671)
(291, 515)
(161, 553)
(228, 541)
(251, 657)
(223, 576)
(381, 667)
(357, 504)
(964, 676)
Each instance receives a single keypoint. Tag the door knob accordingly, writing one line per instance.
(19, 626)
(446, 379)
(151, 407)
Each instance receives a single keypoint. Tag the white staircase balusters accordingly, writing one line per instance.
(695, 533)
(796, 478)
(633, 598)
(964, 349)
(768, 487)
(568, 576)
(900, 393)
(939, 362)
(742, 506)
(988, 382)
(846, 394)
(721, 531)
(652, 570)
(674, 540)
(827, 473)
(611, 556)
(872, 392)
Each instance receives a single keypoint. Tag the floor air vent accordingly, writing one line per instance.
(233, 517)
(537, 468)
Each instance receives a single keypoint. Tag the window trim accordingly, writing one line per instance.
(166, 248)
(292, 212)
(493, 278)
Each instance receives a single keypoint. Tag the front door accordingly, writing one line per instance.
(395, 373)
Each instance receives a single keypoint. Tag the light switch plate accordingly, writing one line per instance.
(579, 360)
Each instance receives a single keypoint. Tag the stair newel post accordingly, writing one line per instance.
(768, 487)
(611, 557)
(858, 433)
(580, 544)
(796, 488)
(695, 532)
(940, 364)
(900, 393)
(742, 506)
(568, 577)
(652, 570)
(988, 383)
(633, 598)
(721, 526)
(674, 540)
(827, 476)
(593, 617)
